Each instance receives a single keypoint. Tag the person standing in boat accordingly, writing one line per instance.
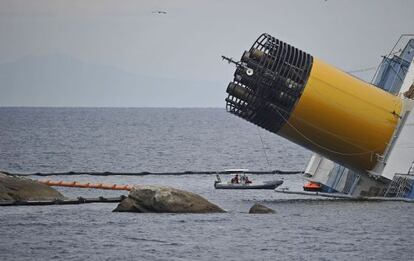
(235, 179)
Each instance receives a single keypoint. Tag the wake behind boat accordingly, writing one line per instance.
(241, 181)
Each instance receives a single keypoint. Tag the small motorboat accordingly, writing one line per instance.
(245, 183)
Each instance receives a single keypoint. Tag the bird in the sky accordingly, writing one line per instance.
(159, 12)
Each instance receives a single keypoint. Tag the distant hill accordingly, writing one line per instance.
(60, 80)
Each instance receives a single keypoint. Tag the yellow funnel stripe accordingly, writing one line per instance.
(343, 118)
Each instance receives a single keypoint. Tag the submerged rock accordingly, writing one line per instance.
(158, 199)
(24, 189)
(260, 209)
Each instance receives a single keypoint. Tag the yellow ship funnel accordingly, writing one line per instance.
(313, 104)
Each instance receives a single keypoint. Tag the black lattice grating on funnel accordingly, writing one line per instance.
(268, 82)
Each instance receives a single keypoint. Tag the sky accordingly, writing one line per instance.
(124, 54)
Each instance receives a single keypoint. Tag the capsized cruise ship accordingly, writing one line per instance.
(362, 134)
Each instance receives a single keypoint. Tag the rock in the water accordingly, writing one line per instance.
(127, 205)
(157, 199)
(24, 189)
(260, 209)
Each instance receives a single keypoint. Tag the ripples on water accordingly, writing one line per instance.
(42, 139)
(49, 140)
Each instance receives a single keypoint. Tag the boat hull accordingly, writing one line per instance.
(263, 185)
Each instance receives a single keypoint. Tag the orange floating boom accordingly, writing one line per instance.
(75, 184)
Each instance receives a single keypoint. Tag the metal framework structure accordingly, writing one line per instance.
(268, 82)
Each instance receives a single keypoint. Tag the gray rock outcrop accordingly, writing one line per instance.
(24, 189)
(260, 209)
(158, 199)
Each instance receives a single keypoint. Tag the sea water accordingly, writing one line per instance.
(162, 140)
